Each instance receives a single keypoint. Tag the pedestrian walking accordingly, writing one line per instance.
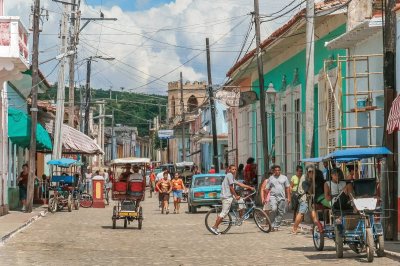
(177, 189)
(164, 187)
(159, 177)
(294, 187)
(279, 187)
(152, 178)
(23, 185)
(88, 177)
(228, 194)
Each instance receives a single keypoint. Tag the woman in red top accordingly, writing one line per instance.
(177, 188)
(250, 172)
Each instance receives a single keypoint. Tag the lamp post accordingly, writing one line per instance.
(270, 101)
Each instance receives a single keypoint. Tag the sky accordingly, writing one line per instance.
(152, 41)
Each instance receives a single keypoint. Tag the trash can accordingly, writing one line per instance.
(98, 192)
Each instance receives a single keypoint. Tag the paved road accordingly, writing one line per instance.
(85, 237)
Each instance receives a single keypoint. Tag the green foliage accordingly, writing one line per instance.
(130, 109)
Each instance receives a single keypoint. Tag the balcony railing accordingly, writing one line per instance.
(13, 40)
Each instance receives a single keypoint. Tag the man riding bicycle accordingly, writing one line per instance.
(228, 193)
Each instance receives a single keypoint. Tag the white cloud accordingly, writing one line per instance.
(149, 44)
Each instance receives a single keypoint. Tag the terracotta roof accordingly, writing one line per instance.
(327, 4)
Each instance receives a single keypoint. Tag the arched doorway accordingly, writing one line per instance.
(192, 103)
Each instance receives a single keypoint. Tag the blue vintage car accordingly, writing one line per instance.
(204, 191)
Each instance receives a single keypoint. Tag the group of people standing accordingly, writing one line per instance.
(164, 185)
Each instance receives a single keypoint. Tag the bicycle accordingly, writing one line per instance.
(86, 200)
(260, 217)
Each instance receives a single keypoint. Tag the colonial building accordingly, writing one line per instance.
(194, 95)
(284, 60)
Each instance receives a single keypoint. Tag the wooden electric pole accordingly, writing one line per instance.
(263, 117)
(57, 146)
(309, 78)
(212, 109)
(182, 120)
(390, 185)
(74, 26)
(34, 110)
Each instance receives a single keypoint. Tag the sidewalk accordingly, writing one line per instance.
(392, 248)
(15, 221)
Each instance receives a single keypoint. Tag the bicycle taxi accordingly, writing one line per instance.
(64, 186)
(129, 192)
(184, 170)
(360, 225)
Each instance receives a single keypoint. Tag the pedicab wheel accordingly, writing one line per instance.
(86, 200)
(370, 245)
(380, 246)
(338, 243)
(318, 238)
(262, 220)
(52, 207)
(140, 220)
(76, 204)
(114, 223)
(69, 203)
(211, 216)
(125, 222)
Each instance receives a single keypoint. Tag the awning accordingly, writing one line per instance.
(73, 141)
(356, 35)
(393, 123)
(19, 131)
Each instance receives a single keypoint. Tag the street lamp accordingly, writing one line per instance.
(271, 94)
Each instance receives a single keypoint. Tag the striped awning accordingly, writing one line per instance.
(393, 123)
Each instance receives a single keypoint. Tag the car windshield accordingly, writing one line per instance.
(206, 181)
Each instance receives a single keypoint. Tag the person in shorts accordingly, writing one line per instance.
(228, 194)
(177, 189)
(279, 187)
(159, 177)
(164, 187)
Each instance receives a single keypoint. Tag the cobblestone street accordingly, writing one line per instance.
(85, 237)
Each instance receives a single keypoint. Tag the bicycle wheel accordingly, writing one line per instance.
(86, 200)
(211, 217)
(262, 220)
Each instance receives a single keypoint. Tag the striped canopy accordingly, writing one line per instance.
(393, 123)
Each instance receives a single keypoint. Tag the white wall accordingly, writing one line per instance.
(373, 45)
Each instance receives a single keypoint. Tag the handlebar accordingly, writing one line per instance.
(251, 194)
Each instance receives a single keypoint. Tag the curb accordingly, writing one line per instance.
(6, 237)
(391, 254)
(306, 230)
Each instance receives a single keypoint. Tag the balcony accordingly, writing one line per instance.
(14, 52)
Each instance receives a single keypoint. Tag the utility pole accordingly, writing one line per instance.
(72, 42)
(263, 117)
(34, 110)
(57, 147)
(183, 121)
(212, 109)
(113, 156)
(309, 78)
(87, 96)
(390, 140)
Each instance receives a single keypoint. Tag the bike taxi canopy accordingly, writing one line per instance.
(183, 164)
(130, 160)
(63, 162)
(349, 155)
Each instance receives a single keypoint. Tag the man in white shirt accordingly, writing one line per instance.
(160, 175)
